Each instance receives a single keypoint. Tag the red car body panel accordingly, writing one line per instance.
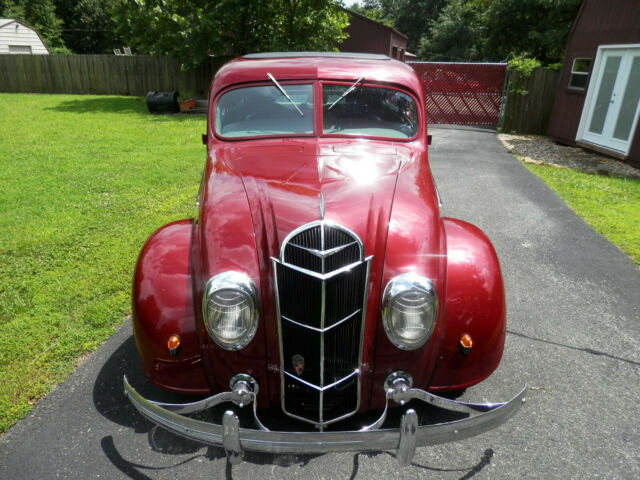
(163, 306)
(256, 191)
(475, 306)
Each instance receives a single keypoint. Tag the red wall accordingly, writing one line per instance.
(367, 36)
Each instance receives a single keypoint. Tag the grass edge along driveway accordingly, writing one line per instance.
(84, 180)
(610, 205)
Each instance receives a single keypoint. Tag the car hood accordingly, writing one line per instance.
(290, 185)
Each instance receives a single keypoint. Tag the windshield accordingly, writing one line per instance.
(368, 111)
(350, 109)
(264, 110)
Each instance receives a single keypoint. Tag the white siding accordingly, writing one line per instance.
(20, 36)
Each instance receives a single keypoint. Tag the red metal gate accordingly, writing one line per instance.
(462, 93)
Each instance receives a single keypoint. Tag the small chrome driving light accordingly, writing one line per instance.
(230, 309)
(409, 310)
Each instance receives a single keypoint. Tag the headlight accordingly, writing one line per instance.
(230, 309)
(409, 310)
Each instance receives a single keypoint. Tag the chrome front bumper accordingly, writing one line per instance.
(404, 439)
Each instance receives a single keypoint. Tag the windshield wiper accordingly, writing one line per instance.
(284, 93)
(347, 92)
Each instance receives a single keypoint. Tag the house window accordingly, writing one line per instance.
(579, 73)
(25, 49)
(394, 52)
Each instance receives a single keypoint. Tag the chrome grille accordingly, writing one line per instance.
(321, 279)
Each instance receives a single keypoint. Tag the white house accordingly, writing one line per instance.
(15, 37)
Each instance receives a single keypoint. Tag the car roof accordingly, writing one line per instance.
(317, 65)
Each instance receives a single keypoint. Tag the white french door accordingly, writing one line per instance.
(611, 108)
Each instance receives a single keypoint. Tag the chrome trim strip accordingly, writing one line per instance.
(326, 276)
(325, 387)
(199, 194)
(320, 329)
(323, 442)
(322, 227)
(364, 319)
(435, 187)
(323, 253)
(274, 262)
(322, 318)
(321, 196)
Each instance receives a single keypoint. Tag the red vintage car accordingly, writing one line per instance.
(319, 283)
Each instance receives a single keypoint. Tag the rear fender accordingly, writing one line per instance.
(475, 306)
(163, 306)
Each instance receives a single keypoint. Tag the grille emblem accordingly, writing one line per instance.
(297, 362)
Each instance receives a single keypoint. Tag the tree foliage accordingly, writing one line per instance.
(486, 30)
(193, 29)
(373, 11)
(88, 27)
(496, 30)
(456, 34)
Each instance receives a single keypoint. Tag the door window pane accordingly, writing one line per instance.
(604, 95)
(629, 105)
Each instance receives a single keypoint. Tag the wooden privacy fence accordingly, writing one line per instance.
(529, 101)
(103, 74)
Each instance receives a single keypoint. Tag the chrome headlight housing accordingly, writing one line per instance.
(230, 309)
(409, 310)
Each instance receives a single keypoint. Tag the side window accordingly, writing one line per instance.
(579, 73)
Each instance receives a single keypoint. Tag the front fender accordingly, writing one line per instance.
(475, 305)
(163, 306)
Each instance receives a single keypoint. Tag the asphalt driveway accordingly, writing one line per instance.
(573, 336)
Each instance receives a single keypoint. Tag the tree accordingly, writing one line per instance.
(456, 34)
(88, 27)
(412, 17)
(536, 28)
(373, 11)
(496, 30)
(193, 29)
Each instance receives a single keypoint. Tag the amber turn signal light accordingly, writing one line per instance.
(173, 344)
(465, 344)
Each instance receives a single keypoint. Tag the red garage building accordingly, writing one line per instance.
(598, 97)
(369, 36)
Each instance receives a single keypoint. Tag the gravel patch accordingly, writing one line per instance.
(539, 149)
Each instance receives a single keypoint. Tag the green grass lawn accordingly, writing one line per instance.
(83, 182)
(610, 205)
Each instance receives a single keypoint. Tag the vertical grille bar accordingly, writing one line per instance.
(320, 341)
